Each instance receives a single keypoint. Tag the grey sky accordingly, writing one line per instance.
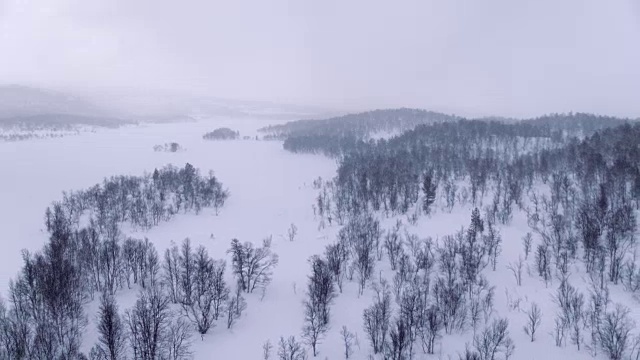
(506, 57)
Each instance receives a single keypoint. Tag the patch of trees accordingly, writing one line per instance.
(183, 293)
(168, 147)
(44, 316)
(579, 184)
(437, 288)
(143, 201)
(222, 134)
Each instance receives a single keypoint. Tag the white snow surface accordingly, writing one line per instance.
(270, 189)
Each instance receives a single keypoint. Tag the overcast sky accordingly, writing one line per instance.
(505, 57)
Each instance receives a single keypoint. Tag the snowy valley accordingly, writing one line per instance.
(364, 270)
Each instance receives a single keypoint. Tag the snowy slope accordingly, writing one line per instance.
(270, 189)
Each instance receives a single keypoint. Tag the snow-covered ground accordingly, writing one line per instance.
(270, 189)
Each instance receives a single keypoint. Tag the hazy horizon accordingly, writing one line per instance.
(470, 58)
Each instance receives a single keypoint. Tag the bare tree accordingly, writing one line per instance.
(576, 315)
(314, 328)
(429, 187)
(362, 233)
(431, 328)
(237, 304)
(337, 256)
(615, 333)
(292, 232)
(267, 347)
(6, 333)
(449, 290)
(475, 311)
(393, 244)
(534, 318)
(252, 266)
(412, 305)
(178, 339)
(597, 307)
(111, 260)
(171, 274)
(397, 348)
(148, 322)
(320, 293)
(620, 238)
(376, 318)
(493, 340)
(526, 243)
(208, 290)
(571, 303)
(543, 262)
(149, 263)
(559, 330)
(516, 269)
(187, 272)
(111, 329)
(347, 341)
(290, 349)
(493, 241)
(509, 348)
(469, 354)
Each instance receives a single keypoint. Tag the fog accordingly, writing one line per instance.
(503, 57)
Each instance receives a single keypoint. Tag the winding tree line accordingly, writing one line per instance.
(87, 253)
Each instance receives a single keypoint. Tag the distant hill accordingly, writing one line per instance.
(34, 108)
(151, 105)
(60, 121)
(20, 101)
(37, 106)
(362, 125)
(359, 124)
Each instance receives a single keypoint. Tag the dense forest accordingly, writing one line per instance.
(325, 138)
(577, 179)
